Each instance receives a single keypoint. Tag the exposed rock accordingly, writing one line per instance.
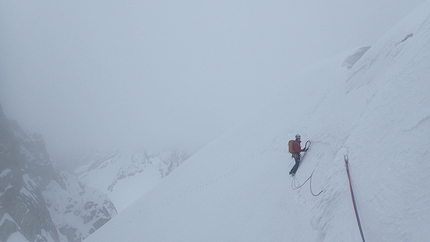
(37, 199)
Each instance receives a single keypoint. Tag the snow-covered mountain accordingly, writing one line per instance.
(126, 174)
(377, 113)
(39, 202)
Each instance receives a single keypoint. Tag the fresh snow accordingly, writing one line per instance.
(6, 217)
(16, 237)
(124, 175)
(5, 172)
(5, 189)
(238, 188)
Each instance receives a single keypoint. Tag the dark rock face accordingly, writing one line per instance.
(37, 199)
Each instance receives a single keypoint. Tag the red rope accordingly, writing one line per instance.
(353, 198)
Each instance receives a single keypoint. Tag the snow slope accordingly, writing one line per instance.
(238, 188)
(126, 174)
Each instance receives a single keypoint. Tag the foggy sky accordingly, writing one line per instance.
(162, 74)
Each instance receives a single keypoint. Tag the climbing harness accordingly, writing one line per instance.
(353, 198)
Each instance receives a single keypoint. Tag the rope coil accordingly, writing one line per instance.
(295, 187)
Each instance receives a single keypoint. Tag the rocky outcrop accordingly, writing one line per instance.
(37, 199)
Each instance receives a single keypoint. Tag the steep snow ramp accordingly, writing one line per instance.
(238, 188)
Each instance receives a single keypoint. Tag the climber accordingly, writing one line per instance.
(295, 149)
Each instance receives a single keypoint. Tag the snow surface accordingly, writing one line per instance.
(126, 174)
(102, 176)
(238, 188)
(16, 237)
(5, 217)
(5, 172)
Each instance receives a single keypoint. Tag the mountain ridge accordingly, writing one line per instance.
(39, 202)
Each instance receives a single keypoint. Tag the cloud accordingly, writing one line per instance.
(163, 74)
